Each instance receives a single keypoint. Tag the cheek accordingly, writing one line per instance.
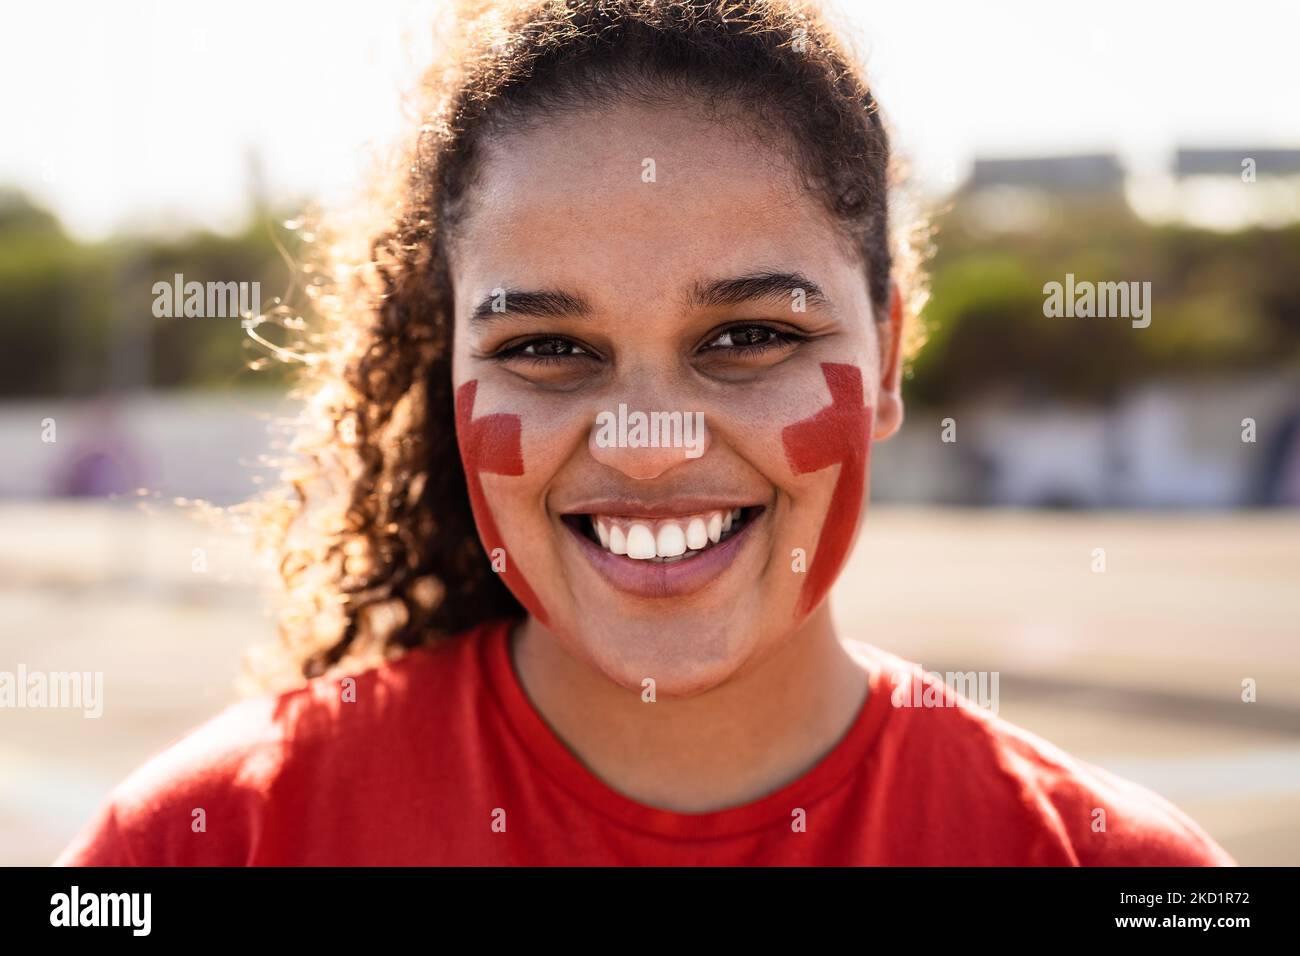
(493, 444)
(839, 434)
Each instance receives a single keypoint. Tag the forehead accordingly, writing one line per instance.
(632, 202)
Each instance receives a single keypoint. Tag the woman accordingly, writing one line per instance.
(600, 406)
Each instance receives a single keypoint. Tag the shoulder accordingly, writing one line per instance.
(226, 777)
(1017, 789)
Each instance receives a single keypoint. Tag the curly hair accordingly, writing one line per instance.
(373, 528)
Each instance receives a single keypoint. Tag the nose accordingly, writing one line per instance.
(645, 443)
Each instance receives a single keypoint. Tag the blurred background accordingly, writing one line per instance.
(1108, 141)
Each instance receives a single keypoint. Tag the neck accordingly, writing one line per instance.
(758, 731)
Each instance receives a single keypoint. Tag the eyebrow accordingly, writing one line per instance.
(757, 286)
(543, 304)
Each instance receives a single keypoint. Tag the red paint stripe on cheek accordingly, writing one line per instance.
(492, 445)
(838, 434)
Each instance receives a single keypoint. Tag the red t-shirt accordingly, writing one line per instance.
(442, 760)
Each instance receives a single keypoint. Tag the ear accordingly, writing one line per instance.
(889, 396)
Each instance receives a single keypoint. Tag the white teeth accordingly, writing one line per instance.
(664, 539)
(640, 542)
(671, 541)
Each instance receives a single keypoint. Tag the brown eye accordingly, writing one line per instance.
(544, 350)
(751, 339)
(550, 348)
(743, 336)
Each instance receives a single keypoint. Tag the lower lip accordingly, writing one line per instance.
(656, 579)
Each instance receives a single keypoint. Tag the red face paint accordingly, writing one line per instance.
(491, 445)
(839, 434)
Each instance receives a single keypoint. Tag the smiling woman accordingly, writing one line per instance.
(573, 650)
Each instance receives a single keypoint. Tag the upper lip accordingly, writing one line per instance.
(661, 508)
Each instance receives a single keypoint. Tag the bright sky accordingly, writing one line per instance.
(143, 114)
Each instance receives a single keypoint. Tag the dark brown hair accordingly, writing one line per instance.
(377, 542)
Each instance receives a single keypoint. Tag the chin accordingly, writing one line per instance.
(685, 654)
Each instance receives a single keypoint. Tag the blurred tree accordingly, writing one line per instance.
(65, 306)
(1221, 301)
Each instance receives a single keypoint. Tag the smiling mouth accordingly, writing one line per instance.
(680, 538)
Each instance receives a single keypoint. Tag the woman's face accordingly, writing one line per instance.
(630, 268)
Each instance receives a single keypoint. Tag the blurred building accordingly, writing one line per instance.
(1228, 443)
(1221, 187)
(1089, 175)
(1263, 161)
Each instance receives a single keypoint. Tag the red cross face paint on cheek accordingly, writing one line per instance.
(491, 445)
(838, 434)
